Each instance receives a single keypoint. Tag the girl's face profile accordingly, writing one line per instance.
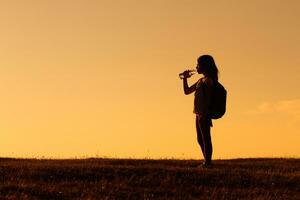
(199, 68)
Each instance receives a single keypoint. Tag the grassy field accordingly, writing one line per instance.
(149, 179)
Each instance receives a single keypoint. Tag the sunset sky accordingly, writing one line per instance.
(85, 78)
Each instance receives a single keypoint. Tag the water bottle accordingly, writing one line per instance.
(191, 73)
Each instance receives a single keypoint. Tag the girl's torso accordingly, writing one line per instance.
(203, 94)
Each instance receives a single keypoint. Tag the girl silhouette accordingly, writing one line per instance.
(203, 89)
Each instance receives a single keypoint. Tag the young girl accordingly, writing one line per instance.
(203, 91)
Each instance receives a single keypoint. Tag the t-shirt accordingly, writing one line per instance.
(203, 94)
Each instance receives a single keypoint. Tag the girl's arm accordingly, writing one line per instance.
(186, 88)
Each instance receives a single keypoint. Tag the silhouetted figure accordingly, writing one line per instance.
(203, 89)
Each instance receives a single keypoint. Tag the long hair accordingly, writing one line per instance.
(209, 66)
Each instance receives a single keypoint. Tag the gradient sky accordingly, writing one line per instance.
(100, 78)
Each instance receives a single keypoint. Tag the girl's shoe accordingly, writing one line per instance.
(207, 164)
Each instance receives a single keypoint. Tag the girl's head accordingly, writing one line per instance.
(206, 66)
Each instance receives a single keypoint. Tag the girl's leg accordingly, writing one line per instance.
(199, 136)
(206, 138)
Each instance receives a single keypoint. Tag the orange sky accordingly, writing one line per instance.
(100, 78)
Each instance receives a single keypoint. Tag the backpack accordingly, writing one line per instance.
(218, 102)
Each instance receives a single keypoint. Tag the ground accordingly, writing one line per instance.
(97, 178)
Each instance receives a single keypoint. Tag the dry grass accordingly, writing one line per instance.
(149, 179)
